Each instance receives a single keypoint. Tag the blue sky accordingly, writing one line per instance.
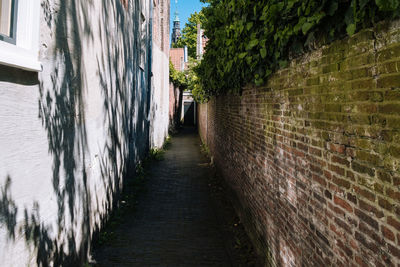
(185, 8)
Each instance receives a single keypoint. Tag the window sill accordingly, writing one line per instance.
(14, 56)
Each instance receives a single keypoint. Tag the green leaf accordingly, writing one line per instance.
(281, 5)
(242, 55)
(249, 25)
(228, 66)
(316, 17)
(306, 27)
(252, 44)
(290, 4)
(263, 52)
(298, 26)
(259, 82)
(351, 29)
(249, 59)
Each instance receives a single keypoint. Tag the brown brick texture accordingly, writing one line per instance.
(314, 156)
(176, 55)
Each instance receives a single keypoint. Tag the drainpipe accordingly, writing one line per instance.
(149, 70)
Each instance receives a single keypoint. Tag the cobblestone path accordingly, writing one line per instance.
(175, 223)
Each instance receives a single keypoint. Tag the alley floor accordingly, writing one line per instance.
(180, 219)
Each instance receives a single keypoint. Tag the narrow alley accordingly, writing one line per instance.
(178, 220)
(286, 122)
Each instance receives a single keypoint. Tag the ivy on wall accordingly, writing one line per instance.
(249, 39)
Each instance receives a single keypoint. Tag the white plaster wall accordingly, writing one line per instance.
(160, 102)
(67, 133)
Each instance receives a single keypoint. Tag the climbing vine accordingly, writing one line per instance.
(249, 39)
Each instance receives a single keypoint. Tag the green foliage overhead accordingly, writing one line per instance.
(189, 33)
(249, 39)
(193, 81)
(188, 79)
(177, 78)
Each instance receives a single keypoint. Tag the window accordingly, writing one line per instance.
(19, 34)
(8, 19)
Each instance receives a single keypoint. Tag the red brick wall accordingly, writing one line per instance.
(176, 56)
(314, 156)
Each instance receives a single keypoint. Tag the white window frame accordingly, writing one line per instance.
(25, 53)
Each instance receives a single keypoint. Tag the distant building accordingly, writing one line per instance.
(176, 30)
(178, 57)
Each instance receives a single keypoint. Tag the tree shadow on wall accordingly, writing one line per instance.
(8, 209)
(58, 105)
(61, 109)
(125, 91)
(126, 96)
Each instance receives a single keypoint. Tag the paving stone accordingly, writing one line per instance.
(175, 223)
